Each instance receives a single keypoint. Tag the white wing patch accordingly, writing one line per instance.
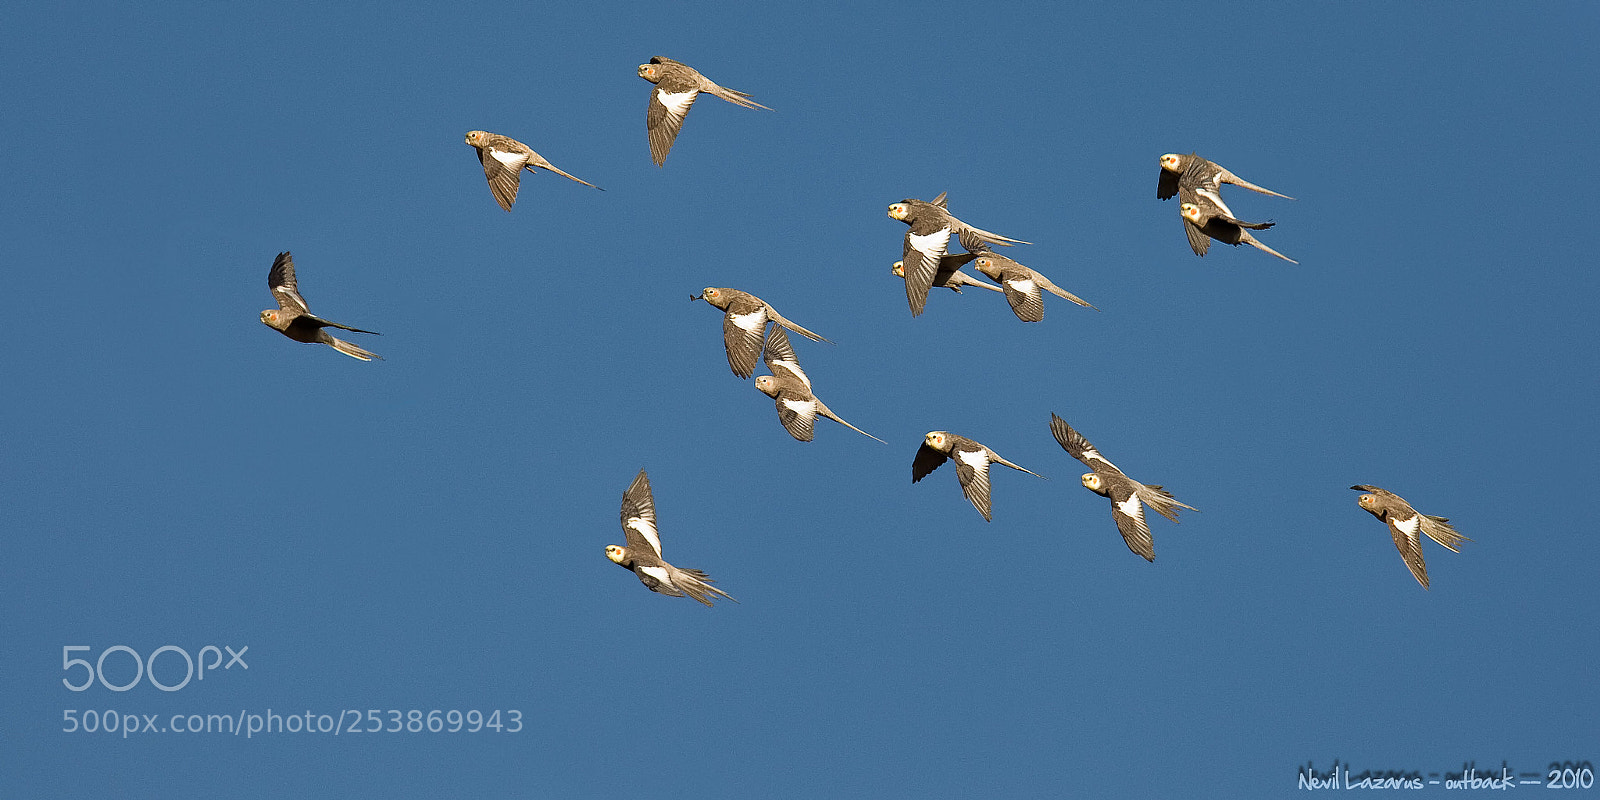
(512, 161)
(1408, 527)
(1215, 197)
(977, 459)
(677, 103)
(805, 408)
(793, 367)
(659, 573)
(1026, 286)
(753, 321)
(648, 531)
(1131, 507)
(933, 243)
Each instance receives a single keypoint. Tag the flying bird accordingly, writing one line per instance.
(677, 85)
(1125, 493)
(950, 275)
(1197, 173)
(504, 159)
(790, 390)
(972, 465)
(1204, 220)
(744, 326)
(293, 318)
(1022, 285)
(642, 554)
(1405, 524)
(928, 238)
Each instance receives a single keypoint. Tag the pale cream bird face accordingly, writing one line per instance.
(1367, 501)
(899, 268)
(983, 262)
(270, 317)
(648, 72)
(936, 440)
(711, 294)
(1190, 212)
(1091, 481)
(1170, 162)
(616, 553)
(899, 211)
(475, 138)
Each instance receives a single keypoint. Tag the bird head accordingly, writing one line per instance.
(269, 318)
(1172, 162)
(767, 385)
(714, 296)
(1190, 212)
(476, 138)
(650, 72)
(1093, 482)
(617, 553)
(899, 211)
(938, 440)
(899, 269)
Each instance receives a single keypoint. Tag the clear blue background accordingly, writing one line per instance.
(427, 532)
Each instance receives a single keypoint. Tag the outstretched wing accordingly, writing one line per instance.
(639, 516)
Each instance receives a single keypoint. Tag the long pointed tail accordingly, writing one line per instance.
(1242, 183)
(1245, 237)
(353, 351)
(1162, 501)
(549, 166)
(779, 318)
(823, 409)
(697, 584)
(736, 97)
(1439, 530)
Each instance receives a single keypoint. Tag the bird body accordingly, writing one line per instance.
(1407, 526)
(1022, 285)
(1128, 496)
(790, 390)
(504, 159)
(949, 274)
(293, 318)
(744, 326)
(676, 87)
(972, 460)
(642, 554)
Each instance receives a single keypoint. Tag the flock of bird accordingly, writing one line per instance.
(753, 330)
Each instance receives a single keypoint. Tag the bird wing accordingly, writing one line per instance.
(972, 467)
(639, 517)
(281, 281)
(1080, 448)
(742, 329)
(503, 169)
(926, 461)
(1129, 514)
(669, 104)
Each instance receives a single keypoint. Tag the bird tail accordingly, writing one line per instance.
(697, 584)
(779, 318)
(1245, 237)
(828, 412)
(1242, 183)
(1439, 530)
(353, 351)
(737, 97)
(1162, 501)
(549, 166)
(976, 237)
(1064, 294)
(995, 457)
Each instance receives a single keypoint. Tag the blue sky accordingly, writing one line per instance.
(427, 532)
